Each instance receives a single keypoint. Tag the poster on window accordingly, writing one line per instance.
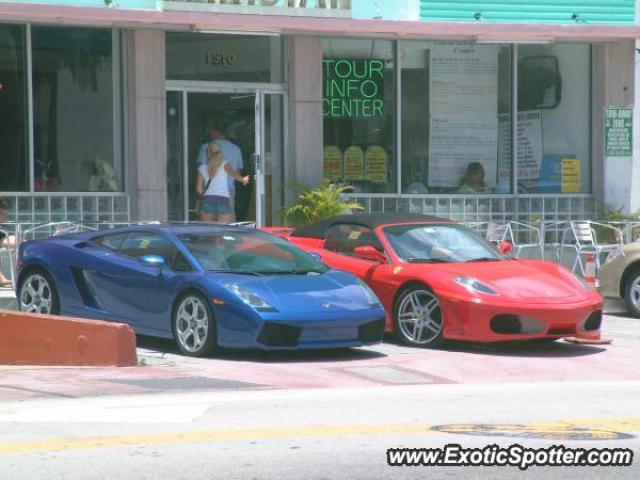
(376, 164)
(504, 153)
(529, 144)
(354, 163)
(530, 149)
(570, 174)
(463, 102)
(332, 164)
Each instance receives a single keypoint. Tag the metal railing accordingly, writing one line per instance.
(549, 233)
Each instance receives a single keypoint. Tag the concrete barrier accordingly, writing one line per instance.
(34, 339)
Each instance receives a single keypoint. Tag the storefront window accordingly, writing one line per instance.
(224, 58)
(359, 114)
(456, 118)
(73, 110)
(554, 118)
(14, 166)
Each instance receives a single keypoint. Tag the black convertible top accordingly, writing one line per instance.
(371, 220)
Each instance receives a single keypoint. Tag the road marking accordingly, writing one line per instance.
(631, 424)
(203, 436)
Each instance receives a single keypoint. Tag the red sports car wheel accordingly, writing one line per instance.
(418, 318)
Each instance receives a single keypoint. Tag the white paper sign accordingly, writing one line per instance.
(463, 102)
(530, 146)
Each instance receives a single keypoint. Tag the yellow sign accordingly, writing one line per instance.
(354, 163)
(332, 163)
(570, 175)
(376, 164)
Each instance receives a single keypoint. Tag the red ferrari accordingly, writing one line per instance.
(439, 280)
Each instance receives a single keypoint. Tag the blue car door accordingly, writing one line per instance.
(137, 292)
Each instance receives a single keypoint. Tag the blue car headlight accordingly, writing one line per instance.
(250, 298)
(474, 285)
(371, 297)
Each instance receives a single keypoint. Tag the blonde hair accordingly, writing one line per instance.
(216, 157)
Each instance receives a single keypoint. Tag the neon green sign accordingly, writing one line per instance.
(353, 88)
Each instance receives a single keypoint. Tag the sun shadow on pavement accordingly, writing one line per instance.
(559, 349)
(162, 345)
(303, 356)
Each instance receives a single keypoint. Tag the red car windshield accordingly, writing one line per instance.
(439, 243)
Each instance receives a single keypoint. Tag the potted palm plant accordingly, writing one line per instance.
(320, 203)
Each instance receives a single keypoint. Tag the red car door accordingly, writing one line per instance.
(339, 245)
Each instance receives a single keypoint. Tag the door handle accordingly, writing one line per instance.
(257, 161)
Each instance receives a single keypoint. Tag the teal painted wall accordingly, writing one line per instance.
(386, 9)
(532, 11)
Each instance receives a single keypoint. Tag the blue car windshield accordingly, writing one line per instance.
(249, 252)
(439, 243)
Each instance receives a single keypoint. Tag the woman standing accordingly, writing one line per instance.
(213, 188)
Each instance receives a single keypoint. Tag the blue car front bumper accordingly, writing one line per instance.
(278, 331)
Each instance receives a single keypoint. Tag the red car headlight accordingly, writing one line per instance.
(474, 285)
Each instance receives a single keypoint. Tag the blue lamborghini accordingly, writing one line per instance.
(206, 286)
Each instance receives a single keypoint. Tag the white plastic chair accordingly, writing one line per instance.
(582, 238)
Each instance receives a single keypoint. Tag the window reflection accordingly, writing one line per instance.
(456, 118)
(13, 115)
(359, 114)
(73, 110)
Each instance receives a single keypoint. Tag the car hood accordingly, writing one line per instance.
(327, 292)
(519, 280)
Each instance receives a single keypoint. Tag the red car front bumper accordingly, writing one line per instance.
(481, 320)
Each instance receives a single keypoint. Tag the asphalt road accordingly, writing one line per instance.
(328, 422)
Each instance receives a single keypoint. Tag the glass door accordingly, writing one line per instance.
(250, 126)
(229, 119)
(175, 157)
(269, 158)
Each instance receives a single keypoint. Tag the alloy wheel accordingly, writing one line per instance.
(36, 295)
(192, 324)
(419, 317)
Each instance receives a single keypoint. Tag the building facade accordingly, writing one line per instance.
(476, 111)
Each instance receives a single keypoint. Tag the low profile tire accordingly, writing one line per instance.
(37, 293)
(417, 318)
(194, 327)
(632, 293)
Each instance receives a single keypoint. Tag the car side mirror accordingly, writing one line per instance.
(152, 261)
(367, 252)
(505, 247)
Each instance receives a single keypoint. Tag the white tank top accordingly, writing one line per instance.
(218, 185)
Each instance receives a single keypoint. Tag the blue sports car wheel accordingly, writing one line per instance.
(37, 293)
(193, 325)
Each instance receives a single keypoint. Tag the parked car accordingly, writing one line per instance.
(206, 286)
(439, 280)
(619, 277)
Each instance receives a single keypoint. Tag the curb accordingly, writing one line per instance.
(36, 339)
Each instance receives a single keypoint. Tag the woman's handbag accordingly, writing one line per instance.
(201, 196)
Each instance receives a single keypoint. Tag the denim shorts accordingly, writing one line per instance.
(214, 205)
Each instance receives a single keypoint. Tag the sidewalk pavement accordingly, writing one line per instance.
(161, 369)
